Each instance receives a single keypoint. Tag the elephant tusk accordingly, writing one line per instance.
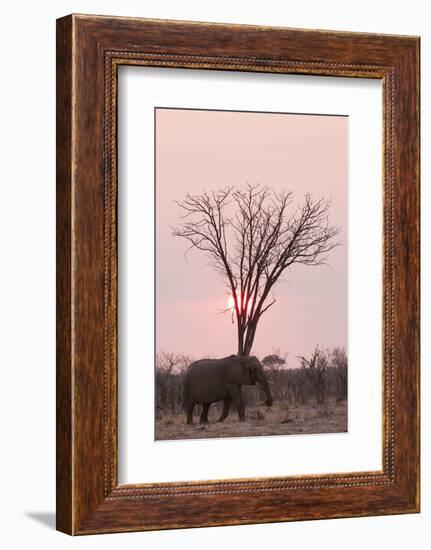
(270, 382)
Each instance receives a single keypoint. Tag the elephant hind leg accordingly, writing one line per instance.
(190, 407)
(204, 415)
(227, 401)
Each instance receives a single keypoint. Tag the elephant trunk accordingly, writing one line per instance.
(267, 391)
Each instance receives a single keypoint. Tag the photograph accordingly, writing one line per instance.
(251, 244)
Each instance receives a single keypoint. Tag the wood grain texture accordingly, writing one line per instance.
(64, 497)
(90, 49)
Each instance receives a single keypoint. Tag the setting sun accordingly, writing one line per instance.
(231, 303)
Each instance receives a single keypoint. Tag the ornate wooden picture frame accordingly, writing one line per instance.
(89, 51)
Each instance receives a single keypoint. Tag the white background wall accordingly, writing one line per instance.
(27, 279)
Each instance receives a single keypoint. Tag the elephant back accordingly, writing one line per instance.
(204, 381)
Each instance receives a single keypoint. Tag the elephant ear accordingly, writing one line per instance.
(255, 368)
(252, 369)
(237, 371)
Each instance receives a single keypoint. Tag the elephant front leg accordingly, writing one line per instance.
(240, 405)
(236, 395)
(190, 408)
(204, 415)
(226, 407)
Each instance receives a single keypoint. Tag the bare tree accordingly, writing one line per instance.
(169, 373)
(339, 362)
(251, 238)
(315, 369)
(275, 365)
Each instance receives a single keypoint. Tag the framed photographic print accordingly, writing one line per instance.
(237, 274)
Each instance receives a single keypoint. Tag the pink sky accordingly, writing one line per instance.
(206, 150)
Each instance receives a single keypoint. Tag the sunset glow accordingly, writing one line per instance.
(231, 303)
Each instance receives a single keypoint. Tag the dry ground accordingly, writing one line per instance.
(280, 419)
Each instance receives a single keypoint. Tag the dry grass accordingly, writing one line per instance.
(279, 419)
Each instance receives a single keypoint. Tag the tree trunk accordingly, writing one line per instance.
(247, 350)
(248, 345)
(240, 338)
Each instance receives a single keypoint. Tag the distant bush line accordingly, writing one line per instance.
(321, 376)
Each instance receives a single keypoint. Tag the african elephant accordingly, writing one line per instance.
(210, 380)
